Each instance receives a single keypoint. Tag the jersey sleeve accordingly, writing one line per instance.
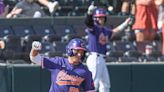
(51, 63)
(89, 22)
(109, 32)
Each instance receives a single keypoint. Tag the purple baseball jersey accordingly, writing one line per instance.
(66, 77)
(98, 39)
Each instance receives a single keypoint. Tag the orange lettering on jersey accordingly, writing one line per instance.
(65, 79)
(103, 39)
(73, 89)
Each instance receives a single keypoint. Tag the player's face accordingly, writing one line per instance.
(101, 20)
(76, 59)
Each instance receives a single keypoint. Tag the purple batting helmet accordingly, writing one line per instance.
(75, 43)
(99, 13)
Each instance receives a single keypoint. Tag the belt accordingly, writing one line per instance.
(97, 54)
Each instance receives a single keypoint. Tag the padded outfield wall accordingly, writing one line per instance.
(125, 77)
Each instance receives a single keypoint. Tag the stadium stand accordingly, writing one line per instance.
(111, 59)
(19, 34)
(46, 47)
(27, 41)
(60, 46)
(43, 30)
(13, 43)
(128, 59)
(51, 38)
(5, 30)
(22, 31)
(123, 46)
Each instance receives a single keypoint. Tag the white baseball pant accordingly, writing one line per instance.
(96, 64)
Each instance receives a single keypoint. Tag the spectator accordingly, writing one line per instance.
(125, 7)
(4, 9)
(26, 8)
(52, 6)
(98, 36)
(145, 26)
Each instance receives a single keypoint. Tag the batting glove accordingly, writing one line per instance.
(53, 6)
(91, 9)
(36, 45)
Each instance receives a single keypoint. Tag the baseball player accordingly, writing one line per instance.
(98, 36)
(67, 74)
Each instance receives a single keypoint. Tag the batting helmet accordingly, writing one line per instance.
(99, 13)
(75, 43)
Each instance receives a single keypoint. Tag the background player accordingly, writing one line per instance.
(98, 36)
(67, 74)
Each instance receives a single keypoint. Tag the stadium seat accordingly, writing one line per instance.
(43, 30)
(25, 57)
(157, 45)
(123, 46)
(128, 59)
(63, 2)
(64, 11)
(116, 54)
(8, 54)
(79, 10)
(140, 46)
(129, 36)
(27, 42)
(5, 30)
(63, 30)
(117, 37)
(60, 46)
(22, 31)
(53, 54)
(148, 59)
(68, 37)
(155, 54)
(111, 59)
(1, 54)
(133, 53)
(110, 47)
(13, 43)
(80, 30)
(46, 47)
(161, 59)
(51, 38)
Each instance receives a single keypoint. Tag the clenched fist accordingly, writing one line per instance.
(91, 9)
(36, 45)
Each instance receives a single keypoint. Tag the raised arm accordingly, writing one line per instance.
(89, 19)
(15, 11)
(122, 26)
(35, 57)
